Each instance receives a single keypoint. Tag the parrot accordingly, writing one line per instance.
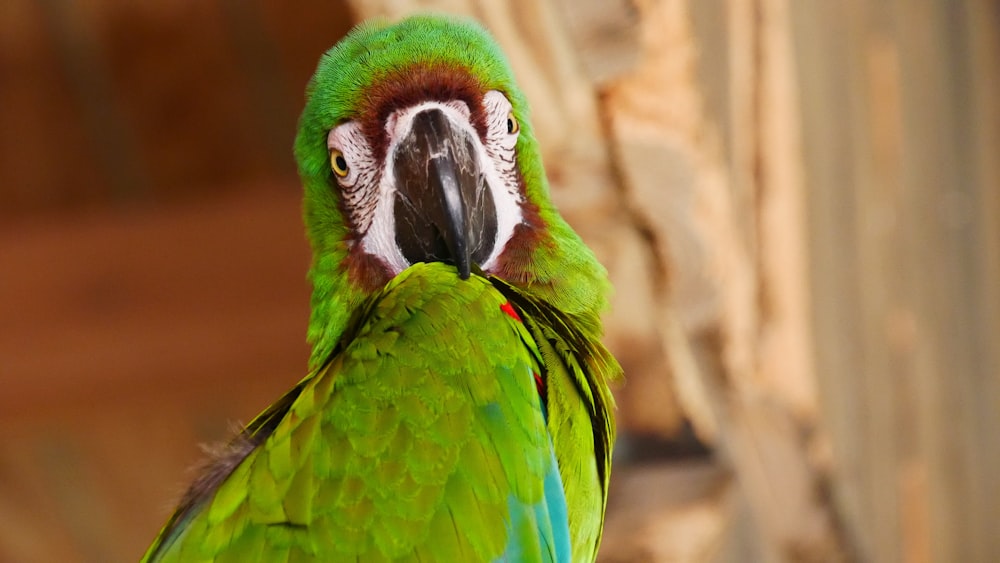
(457, 402)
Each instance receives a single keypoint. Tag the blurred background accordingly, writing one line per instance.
(798, 202)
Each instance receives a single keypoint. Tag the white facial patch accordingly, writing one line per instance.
(357, 187)
(496, 163)
(500, 167)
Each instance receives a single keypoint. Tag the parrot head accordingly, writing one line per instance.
(415, 146)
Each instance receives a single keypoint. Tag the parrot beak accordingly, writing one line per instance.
(444, 211)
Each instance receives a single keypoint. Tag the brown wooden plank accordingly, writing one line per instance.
(128, 336)
(128, 299)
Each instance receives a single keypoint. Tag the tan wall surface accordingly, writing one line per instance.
(798, 202)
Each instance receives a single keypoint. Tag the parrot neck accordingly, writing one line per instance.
(335, 298)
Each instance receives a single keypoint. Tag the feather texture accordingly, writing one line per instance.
(442, 419)
(395, 451)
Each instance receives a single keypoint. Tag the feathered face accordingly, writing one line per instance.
(428, 172)
(415, 146)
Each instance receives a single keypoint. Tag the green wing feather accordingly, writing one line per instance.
(577, 369)
(409, 444)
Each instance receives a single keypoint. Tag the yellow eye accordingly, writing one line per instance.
(338, 163)
(512, 126)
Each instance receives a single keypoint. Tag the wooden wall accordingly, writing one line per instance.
(798, 203)
(117, 101)
(901, 130)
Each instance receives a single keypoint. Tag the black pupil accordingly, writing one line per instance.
(340, 162)
(510, 125)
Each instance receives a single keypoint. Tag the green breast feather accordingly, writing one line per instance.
(424, 439)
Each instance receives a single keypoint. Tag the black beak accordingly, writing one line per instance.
(444, 210)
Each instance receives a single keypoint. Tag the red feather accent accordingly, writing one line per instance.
(509, 309)
(539, 385)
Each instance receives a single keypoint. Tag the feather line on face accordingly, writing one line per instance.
(370, 191)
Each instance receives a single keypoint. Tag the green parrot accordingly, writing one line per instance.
(457, 405)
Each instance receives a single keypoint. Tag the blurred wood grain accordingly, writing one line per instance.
(128, 337)
(798, 204)
(900, 132)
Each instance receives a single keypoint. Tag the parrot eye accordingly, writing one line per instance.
(512, 126)
(338, 163)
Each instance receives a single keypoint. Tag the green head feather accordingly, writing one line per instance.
(559, 268)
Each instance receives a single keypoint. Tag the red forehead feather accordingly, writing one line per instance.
(411, 86)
